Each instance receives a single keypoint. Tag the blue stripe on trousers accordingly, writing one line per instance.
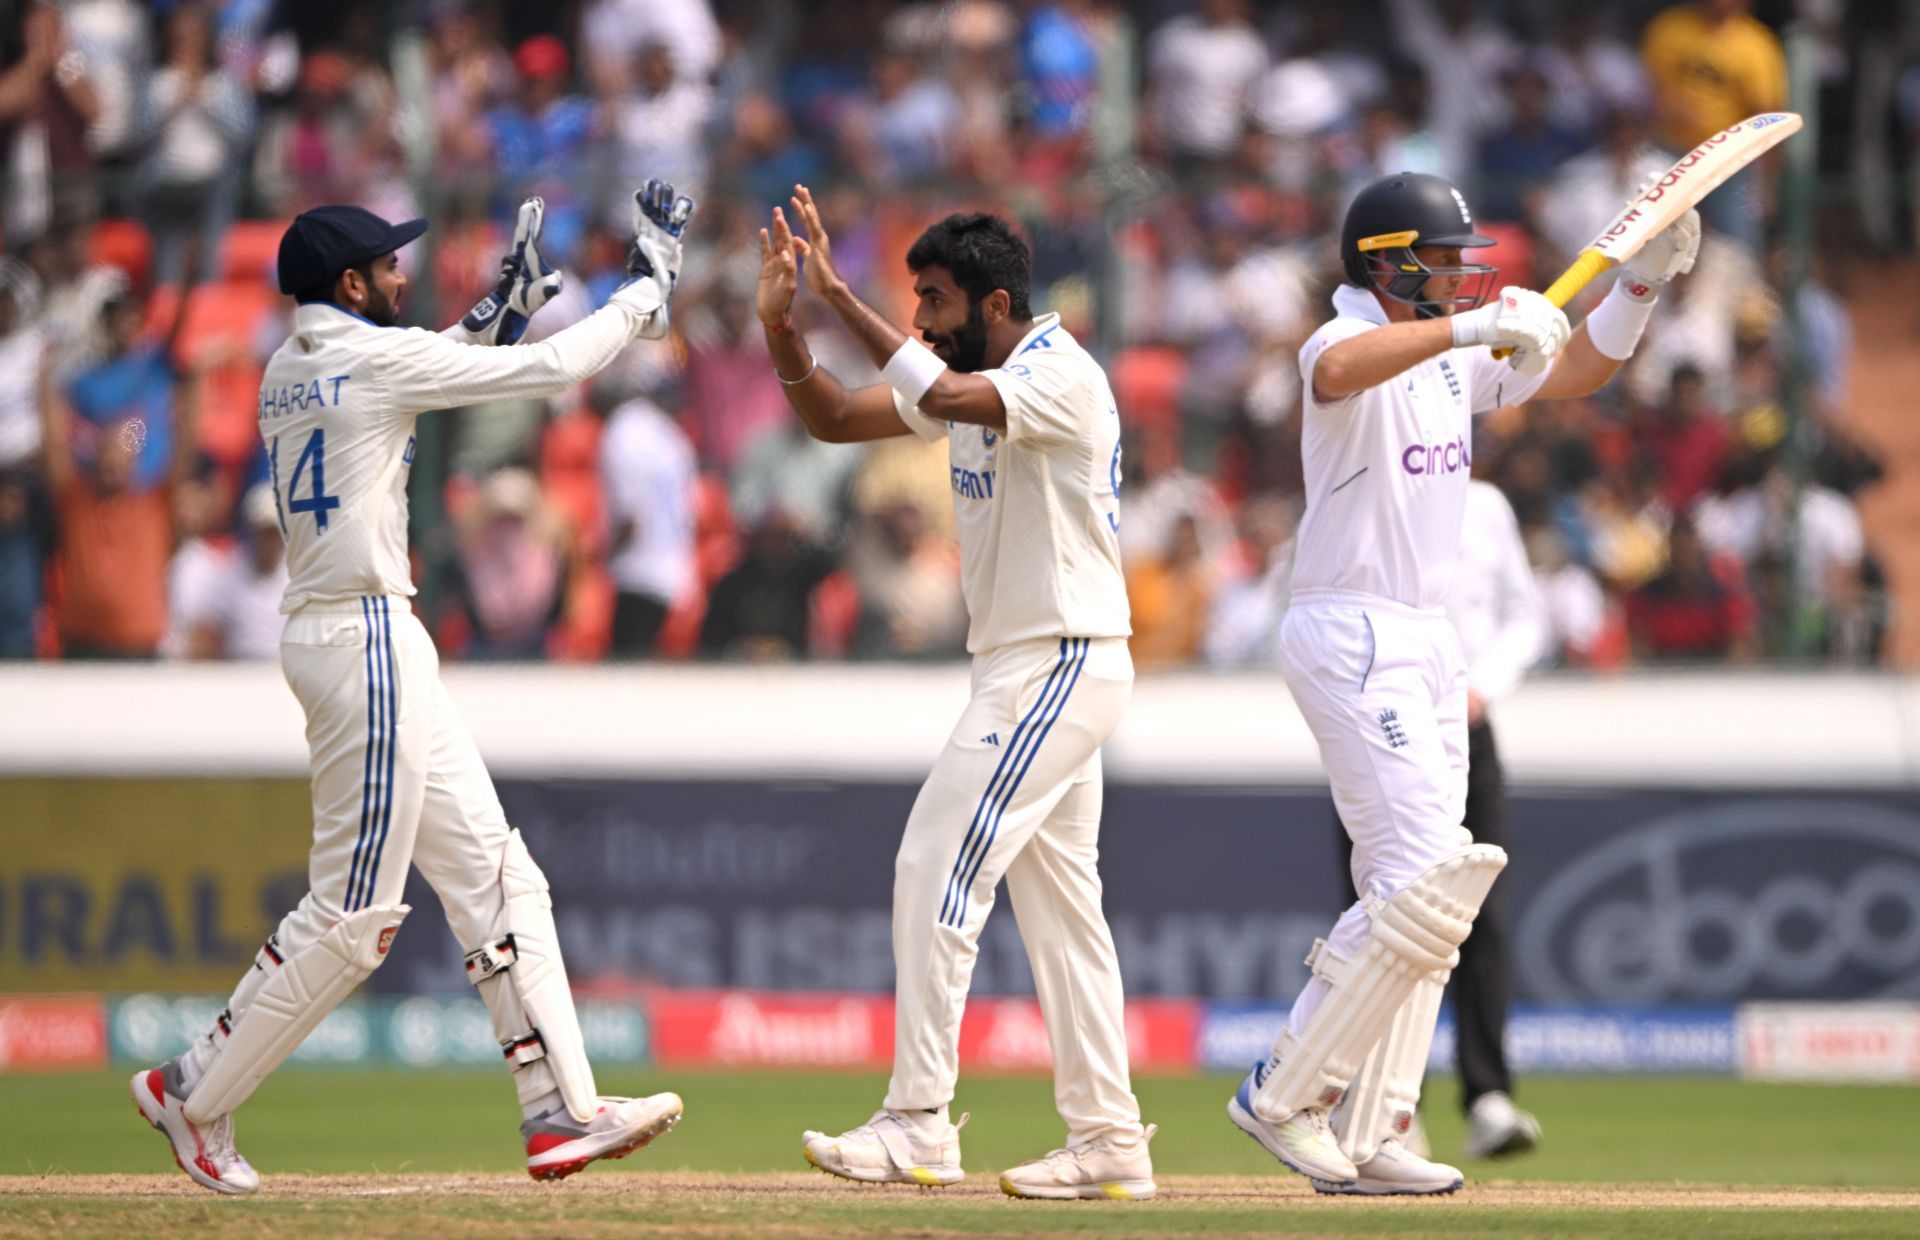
(1021, 754)
(368, 806)
(1007, 761)
(1047, 710)
(1082, 645)
(379, 844)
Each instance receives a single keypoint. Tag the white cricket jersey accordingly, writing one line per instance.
(1038, 505)
(1387, 467)
(338, 403)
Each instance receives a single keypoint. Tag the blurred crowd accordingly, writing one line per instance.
(1180, 168)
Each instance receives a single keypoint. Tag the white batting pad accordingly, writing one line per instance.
(1381, 1099)
(521, 979)
(297, 996)
(1416, 931)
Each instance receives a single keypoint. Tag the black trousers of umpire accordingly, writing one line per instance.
(1480, 988)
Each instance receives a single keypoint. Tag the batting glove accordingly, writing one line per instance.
(1521, 320)
(1668, 253)
(527, 282)
(653, 265)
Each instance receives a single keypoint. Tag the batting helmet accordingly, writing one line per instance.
(1392, 216)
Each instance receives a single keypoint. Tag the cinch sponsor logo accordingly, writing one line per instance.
(1438, 458)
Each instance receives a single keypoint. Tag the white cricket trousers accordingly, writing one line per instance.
(1383, 686)
(396, 776)
(1016, 792)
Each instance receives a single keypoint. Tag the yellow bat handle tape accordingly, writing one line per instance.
(1590, 264)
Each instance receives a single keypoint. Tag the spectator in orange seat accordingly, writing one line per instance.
(240, 613)
(1688, 612)
(910, 601)
(512, 568)
(115, 532)
(1684, 440)
(647, 474)
(759, 611)
(1171, 595)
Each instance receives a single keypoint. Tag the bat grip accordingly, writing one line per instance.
(1590, 264)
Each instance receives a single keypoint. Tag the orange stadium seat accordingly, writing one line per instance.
(1511, 252)
(585, 630)
(251, 251)
(716, 537)
(680, 632)
(832, 612)
(1147, 381)
(124, 244)
(570, 478)
(226, 317)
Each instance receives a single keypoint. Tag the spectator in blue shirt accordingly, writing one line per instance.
(540, 144)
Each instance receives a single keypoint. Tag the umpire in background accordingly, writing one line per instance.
(1496, 609)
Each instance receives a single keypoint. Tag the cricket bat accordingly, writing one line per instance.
(1676, 191)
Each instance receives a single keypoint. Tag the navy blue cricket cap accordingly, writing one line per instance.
(325, 241)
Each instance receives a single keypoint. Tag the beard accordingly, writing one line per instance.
(966, 345)
(382, 309)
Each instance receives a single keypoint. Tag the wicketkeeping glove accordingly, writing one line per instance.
(527, 282)
(653, 265)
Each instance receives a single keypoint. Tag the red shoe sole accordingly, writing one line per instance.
(560, 1171)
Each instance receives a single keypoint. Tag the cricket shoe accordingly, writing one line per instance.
(1395, 1171)
(204, 1151)
(1303, 1141)
(1496, 1127)
(559, 1145)
(1116, 1167)
(891, 1149)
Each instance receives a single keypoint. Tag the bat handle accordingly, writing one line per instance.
(1590, 264)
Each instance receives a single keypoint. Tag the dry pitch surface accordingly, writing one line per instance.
(777, 1206)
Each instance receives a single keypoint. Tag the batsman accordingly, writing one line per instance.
(1391, 385)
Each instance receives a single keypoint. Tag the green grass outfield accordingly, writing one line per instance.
(1618, 1158)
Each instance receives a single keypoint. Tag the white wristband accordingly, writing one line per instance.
(911, 370)
(1615, 325)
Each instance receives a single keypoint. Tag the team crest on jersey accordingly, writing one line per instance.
(987, 437)
(1453, 378)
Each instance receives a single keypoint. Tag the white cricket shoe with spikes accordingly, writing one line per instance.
(1395, 1171)
(891, 1148)
(204, 1151)
(1118, 1168)
(559, 1145)
(1303, 1142)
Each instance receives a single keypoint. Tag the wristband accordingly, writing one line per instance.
(912, 370)
(1615, 325)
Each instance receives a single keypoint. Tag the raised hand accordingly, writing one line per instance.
(659, 220)
(779, 273)
(527, 282)
(814, 247)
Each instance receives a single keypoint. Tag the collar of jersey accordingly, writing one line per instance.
(311, 314)
(1357, 303)
(1041, 326)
